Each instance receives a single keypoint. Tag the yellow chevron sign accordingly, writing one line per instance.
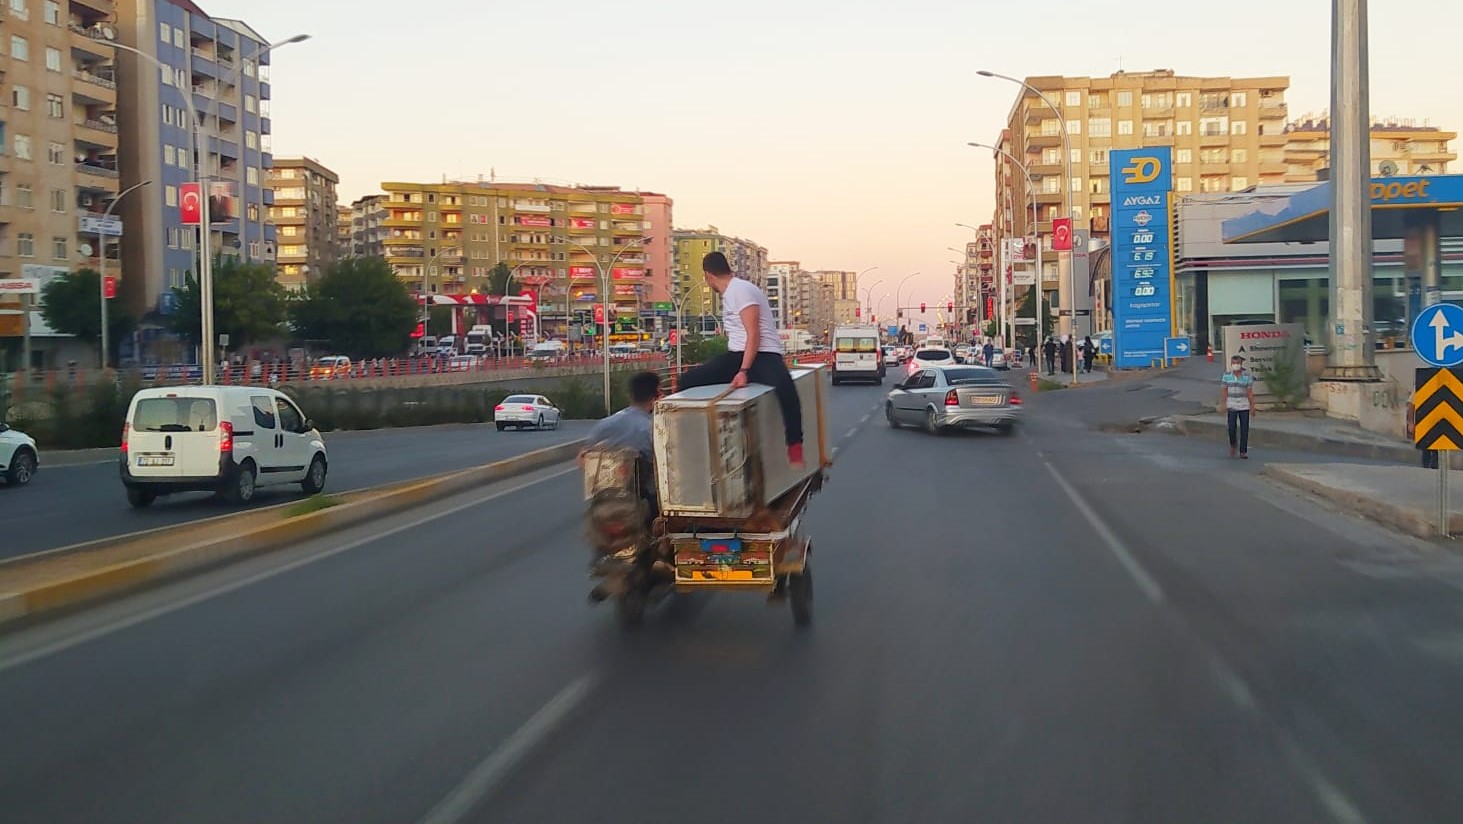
(1438, 409)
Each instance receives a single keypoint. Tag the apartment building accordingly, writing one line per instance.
(58, 153)
(781, 282)
(305, 218)
(660, 250)
(368, 226)
(1398, 147)
(1227, 134)
(557, 239)
(343, 217)
(748, 260)
(220, 69)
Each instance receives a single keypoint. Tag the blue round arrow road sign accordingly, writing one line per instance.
(1437, 335)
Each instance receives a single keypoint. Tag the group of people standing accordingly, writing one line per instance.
(1067, 351)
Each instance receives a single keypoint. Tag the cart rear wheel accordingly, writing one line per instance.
(800, 594)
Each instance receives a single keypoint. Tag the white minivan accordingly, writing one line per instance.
(856, 355)
(224, 439)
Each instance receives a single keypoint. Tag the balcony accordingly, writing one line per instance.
(1036, 142)
(1273, 167)
(1036, 112)
(94, 89)
(1208, 168)
(1270, 109)
(96, 133)
(1157, 140)
(521, 206)
(1158, 113)
(94, 178)
(202, 67)
(406, 252)
(89, 43)
(1046, 170)
(1214, 138)
(583, 208)
(104, 8)
(628, 228)
(1049, 197)
(1276, 138)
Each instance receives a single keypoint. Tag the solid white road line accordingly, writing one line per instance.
(1328, 794)
(238, 584)
(490, 773)
(1115, 545)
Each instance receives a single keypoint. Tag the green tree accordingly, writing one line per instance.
(248, 303)
(500, 279)
(699, 349)
(360, 307)
(439, 321)
(73, 306)
(1024, 309)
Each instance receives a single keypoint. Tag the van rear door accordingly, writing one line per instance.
(174, 436)
(856, 354)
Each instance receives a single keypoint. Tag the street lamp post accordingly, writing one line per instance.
(605, 272)
(898, 290)
(1030, 187)
(868, 299)
(1066, 194)
(680, 304)
(102, 259)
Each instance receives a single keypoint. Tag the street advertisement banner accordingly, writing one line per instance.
(535, 220)
(621, 273)
(221, 203)
(20, 286)
(1142, 180)
(581, 223)
(582, 272)
(622, 209)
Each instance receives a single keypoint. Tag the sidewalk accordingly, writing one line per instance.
(1301, 432)
(1402, 497)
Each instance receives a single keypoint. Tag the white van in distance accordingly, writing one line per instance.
(856, 355)
(224, 439)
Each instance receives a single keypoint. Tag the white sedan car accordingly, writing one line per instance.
(19, 459)
(926, 357)
(519, 411)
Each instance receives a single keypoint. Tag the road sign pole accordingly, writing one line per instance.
(1443, 494)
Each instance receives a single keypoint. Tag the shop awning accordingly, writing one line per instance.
(1305, 217)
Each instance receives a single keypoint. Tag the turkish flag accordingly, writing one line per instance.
(1062, 234)
(599, 313)
(190, 204)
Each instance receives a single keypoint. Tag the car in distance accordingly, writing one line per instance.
(943, 398)
(856, 355)
(520, 411)
(331, 367)
(229, 440)
(19, 459)
(926, 357)
(962, 352)
(891, 356)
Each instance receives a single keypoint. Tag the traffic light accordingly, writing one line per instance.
(950, 307)
(921, 308)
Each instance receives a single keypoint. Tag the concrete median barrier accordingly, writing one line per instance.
(83, 573)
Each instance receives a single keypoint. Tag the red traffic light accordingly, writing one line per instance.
(950, 306)
(420, 331)
(921, 308)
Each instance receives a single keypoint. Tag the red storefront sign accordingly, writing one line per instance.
(582, 272)
(627, 274)
(622, 209)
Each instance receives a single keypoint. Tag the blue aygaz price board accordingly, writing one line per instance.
(1142, 299)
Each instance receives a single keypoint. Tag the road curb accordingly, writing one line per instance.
(1417, 521)
(363, 506)
(77, 457)
(1297, 441)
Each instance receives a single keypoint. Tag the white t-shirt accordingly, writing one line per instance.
(738, 296)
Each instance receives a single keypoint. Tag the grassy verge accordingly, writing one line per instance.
(315, 503)
(1044, 385)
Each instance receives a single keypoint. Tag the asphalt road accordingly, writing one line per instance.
(70, 504)
(1059, 626)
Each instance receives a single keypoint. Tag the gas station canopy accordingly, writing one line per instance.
(1306, 217)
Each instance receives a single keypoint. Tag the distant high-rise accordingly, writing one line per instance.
(305, 219)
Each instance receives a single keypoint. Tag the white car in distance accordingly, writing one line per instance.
(926, 357)
(521, 411)
(19, 459)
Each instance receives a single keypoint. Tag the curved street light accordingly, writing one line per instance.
(1036, 235)
(605, 272)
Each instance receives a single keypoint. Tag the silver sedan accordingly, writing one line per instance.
(942, 398)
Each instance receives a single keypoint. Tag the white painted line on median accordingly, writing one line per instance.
(1328, 794)
(847, 436)
(1119, 550)
(490, 773)
(1231, 682)
(235, 585)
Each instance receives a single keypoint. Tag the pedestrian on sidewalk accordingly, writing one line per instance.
(1429, 456)
(1064, 353)
(1089, 351)
(1237, 398)
(1050, 350)
(989, 351)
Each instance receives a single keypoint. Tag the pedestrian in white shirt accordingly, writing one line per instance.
(754, 349)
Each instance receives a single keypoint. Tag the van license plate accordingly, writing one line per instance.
(154, 460)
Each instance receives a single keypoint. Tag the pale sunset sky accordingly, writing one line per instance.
(831, 133)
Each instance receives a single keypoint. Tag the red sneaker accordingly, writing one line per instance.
(795, 455)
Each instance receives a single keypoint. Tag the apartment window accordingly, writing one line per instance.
(53, 59)
(251, 140)
(178, 38)
(53, 12)
(253, 211)
(251, 176)
(23, 196)
(1157, 128)
(1184, 100)
(1098, 157)
(1239, 156)
(165, 33)
(1074, 98)
(1097, 185)
(19, 10)
(1096, 101)
(168, 76)
(170, 195)
(1183, 127)
(1125, 98)
(170, 156)
(1184, 184)
(20, 98)
(1076, 185)
(58, 248)
(1239, 183)
(22, 146)
(1125, 127)
(1214, 155)
(56, 153)
(1074, 127)
(55, 106)
(1099, 127)
(19, 47)
(25, 245)
(1237, 100)
(248, 68)
(1183, 156)
(58, 201)
(1239, 127)
(250, 104)
(1077, 212)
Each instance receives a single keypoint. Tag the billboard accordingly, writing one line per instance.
(1142, 266)
(583, 272)
(622, 209)
(535, 220)
(621, 273)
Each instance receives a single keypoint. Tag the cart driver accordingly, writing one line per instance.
(630, 429)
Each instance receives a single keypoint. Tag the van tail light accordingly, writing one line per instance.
(1015, 398)
(126, 430)
(952, 398)
(226, 436)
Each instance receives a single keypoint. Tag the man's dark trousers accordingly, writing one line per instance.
(768, 369)
(1239, 430)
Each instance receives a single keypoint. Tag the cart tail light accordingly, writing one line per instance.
(126, 430)
(952, 398)
(226, 436)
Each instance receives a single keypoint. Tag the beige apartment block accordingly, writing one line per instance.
(1227, 134)
(368, 226)
(58, 141)
(306, 220)
(1398, 147)
(343, 217)
(748, 260)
